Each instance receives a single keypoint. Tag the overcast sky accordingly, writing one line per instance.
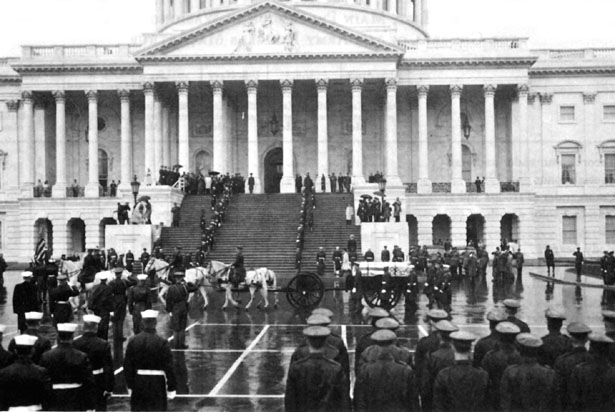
(548, 23)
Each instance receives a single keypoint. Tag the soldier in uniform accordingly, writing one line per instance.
(512, 306)
(42, 344)
(386, 384)
(321, 257)
(148, 367)
(24, 384)
(201, 257)
(352, 244)
(385, 255)
(177, 260)
(239, 271)
(550, 259)
(608, 316)
(372, 353)
(99, 355)
(316, 382)
(177, 307)
(25, 299)
(369, 255)
(322, 317)
(490, 342)
(566, 363)
(70, 372)
(429, 343)
(144, 259)
(138, 301)
(520, 260)
(58, 298)
(365, 341)
(398, 254)
(554, 343)
(529, 385)
(119, 288)
(130, 260)
(462, 386)
(337, 260)
(578, 262)
(101, 303)
(6, 357)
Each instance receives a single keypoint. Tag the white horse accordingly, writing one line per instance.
(141, 213)
(72, 270)
(199, 277)
(219, 272)
(162, 273)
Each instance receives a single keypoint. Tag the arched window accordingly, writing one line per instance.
(568, 155)
(103, 167)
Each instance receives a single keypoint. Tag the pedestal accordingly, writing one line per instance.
(424, 187)
(458, 186)
(492, 186)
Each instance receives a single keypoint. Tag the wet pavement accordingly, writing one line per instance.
(237, 360)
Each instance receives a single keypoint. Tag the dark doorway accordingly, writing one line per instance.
(475, 226)
(441, 229)
(43, 229)
(413, 230)
(76, 236)
(273, 170)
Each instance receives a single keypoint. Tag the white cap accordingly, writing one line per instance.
(2, 328)
(149, 314)
(91, 319)
(26, 274)
(142, 277)
(25, 340)
(67, 327)
(34, 315)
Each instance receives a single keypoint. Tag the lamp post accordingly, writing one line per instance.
(135, 187)
(382, 185)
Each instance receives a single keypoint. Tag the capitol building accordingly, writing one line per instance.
(280, 88)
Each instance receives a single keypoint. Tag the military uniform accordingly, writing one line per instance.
(442, 358)
(101, 303)
(177, 306)
(564, 366)
(99, 355)
(373, 353)
(369, 256)
(119, 288)
(321, 256)
(528, 386)
(144, 259)
(484, 346)
(138, 301)
(23, 384)
(129, 261)
(385, 255)
(554, 345)
(495, 363)
(460, 387)
(59, 304)
(41, 345)
(25, 299)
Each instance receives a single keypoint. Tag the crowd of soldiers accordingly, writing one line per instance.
(372, 210)
(338, 184)
(511, 369)
(306, 219)
(197, 184)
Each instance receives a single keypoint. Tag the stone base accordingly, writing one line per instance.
(458, 186)
(287, 184)
(92, 190)
(129, 237)
(358, 181)
(423, 187)
(526, 185)
(26, 191)
(393, 181)
(59, 190)
(492, 186)
(376, 236)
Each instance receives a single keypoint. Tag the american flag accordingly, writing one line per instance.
(40, 252)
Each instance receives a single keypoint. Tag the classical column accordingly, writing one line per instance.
(392, 5)
(418, 9)
(195, 5)
(157, 136)
(27, 148)
(592, 172)
(178, 8)
(148, 91)
(549, 175)
(287, 185)
(458, 185)
(167, 12)
(125, 141)
(166, 139)
(526, 183)
(183, 150)
(13, 162)
(492, 184)
(357, 133)
(159, 13)
(59, 189)
(323, 141)
(219, 160)
(91, 189)
(423, 184)
(391, 169)
(252, 87)
(40, 149)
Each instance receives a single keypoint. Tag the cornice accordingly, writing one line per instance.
(63, 68)
(571, 71)
(469, 61)
(10, 79)
(305, 56)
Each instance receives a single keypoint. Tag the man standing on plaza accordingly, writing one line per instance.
(138, 301)
(512, 307)
(520, 260)
(397, 209)
(251, 183)
(101, 303)
(321, 258)
(58, 300)
(177, 308)
(550, 259)
(25, 299)
(578, 262)
(144, 259)
(555, 343)
(119, 288)
(129, 259)
(385, 255)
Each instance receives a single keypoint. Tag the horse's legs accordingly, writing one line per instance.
(252, 290)
(229, 297)
(263, 292)
(204, 294)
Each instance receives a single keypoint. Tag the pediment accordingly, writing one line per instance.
(267, 29)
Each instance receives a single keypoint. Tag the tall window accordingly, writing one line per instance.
(608, 114)
(610, 230)
(103, 167)
(609, 168)
(566, 114)
(569, 230)
(466, 163)
(568, 169)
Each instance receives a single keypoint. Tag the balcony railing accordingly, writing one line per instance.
(93, 51)
(509, 187)
(488, 44)
(411, 188)
(441, 187)
(577, 54)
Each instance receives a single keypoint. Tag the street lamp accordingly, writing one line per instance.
(382, 185)
(135, 187)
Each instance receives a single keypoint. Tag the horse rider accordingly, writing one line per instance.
(238, 274)
(91, 266)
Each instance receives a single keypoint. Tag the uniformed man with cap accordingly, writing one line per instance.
(101, 303)
(529, 385)
(70, 372)
(42, 344)
(99, 355)
(321, 258)
(462, 386)
(144, 258)
(24, 384)
(496, 361)
(25, 299)
(129, 260)
(148, 368)
(334, 339)
(177, 307)
(239, 271)
(138, 301)
(399, 353)
(592, 382)
(554, 343)
(429, 343)
(365, 341)
(565, 364)
(119, 291)
(316, 382)
(489, 342)
(386, 383)
(512, 307)
(6, 357)
(58, 297)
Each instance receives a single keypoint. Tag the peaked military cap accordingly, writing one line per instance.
(91, 319)
(496, 315)
(323, 311)
(384, 335)
(437, 314)
(378, 313)
(142, 277)
(555, 314)
(507, 328)
(34, 315)
(67, 327)
(25, 340)
(463, 336)
(598, 337)
(528, 340)
(318, 320)
(387, 323)
(26, 274)
(512, 303)
(316, 331)
(149, 314)
(62, 276)
(608, 315)
(578, 328)
(446, 326)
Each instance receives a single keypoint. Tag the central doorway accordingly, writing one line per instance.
(273, 170)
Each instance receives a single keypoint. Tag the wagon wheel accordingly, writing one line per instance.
(305, 290)
(384, 296)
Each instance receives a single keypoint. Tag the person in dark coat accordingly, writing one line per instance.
(316, 383)
(520, 261)
(340, 183)
(337, 260)
(398, 352)
(365, 341)
(144, 258)
(99, 355)
(3, 267)
(550, 260)
(321, 258)
(369, 256)
(251, 183)
(352, 244)
(554, 343)
(129, 259)
(6, 357)
(92, 264)
(58, 300)
(298, 183)
(70, 373)
(101, 303)
(177, 307)
(42, 344)
(462, 386)
(385, 255)
(578, 263)
(566, 363)
(138, 301)
(529, 386)
(512, 307)
(119, 292)
(148, 368)
(429, 343)
(175, 211)
(386, 384)
(490, 342)
(333, 180)
(437, 360)
(322, 317)
(592, 382)
(239, 272)
(25, 299)
(23, 383)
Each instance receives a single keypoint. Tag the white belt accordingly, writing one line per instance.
(26, 408)
(66, 385)
(98, 371)
(150, 372)
(63, 302)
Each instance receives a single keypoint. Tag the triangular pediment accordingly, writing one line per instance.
(268, 29)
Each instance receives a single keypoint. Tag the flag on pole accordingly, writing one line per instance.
(40, 252)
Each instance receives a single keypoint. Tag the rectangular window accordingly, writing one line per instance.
(609, 168)
(608, 114)
(568, 169)
(569, 230)
(610, 230)
(566, 114)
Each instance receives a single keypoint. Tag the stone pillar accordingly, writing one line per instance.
(547, 117)
(125, 141)
(391, 168)
(323, 136)
(425, 15)
(219, 160)
(178, 8)
(92, 188)
(423, 184)
(195, 5)
(287, 185)
(492, 230)
(159, 13)
(590, 177)
(492, 184)
(458, 185)
(526, 181)
(40, 148)
(166, 140)
(12, 167)
(357, 133)
(157, 136)
(458, 229)
(148, 91)
(59, 189)
(253, 152)
(27, 147)
(425, 229)
(418, 9)
(393, 6)
(167, 12)
(183, 134)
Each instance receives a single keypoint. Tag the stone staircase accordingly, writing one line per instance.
(188, 234)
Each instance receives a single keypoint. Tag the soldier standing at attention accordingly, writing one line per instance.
(119, 288)
(177, 307)
(148, 367)
(321, 257)
(578, 262)
(251, 183)
(429, 343)
(138, 301)
(369, 255)
(490, 342)
(352, 244)
(365, 341)
(144, 259)
(555, 343)
(25, 299)
(99, 355)
(322, 317)
(550, 259)
(566, 363)
(70, 372)
(372, 353)
(385, 255)
(337, 260)
(58, 299)
(130, 260)
(101, 303)
(316, 382)
(42, 344)
(512, 306)
(520, 260)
